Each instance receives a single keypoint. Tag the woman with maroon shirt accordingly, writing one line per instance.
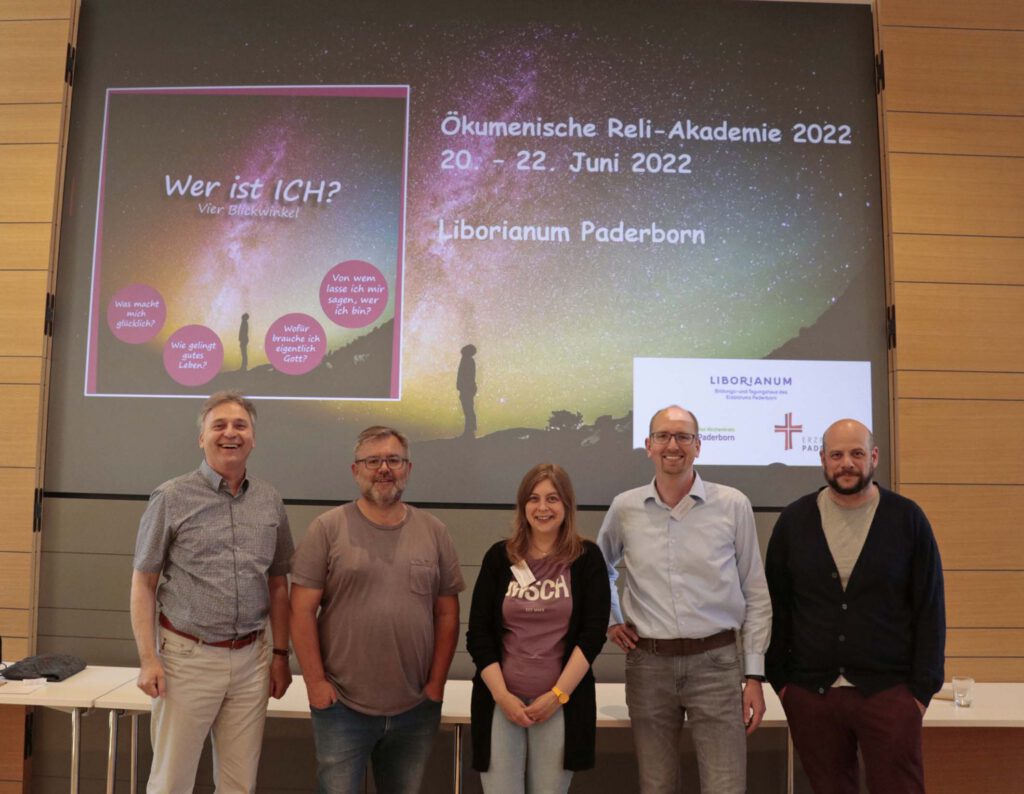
(537, 622)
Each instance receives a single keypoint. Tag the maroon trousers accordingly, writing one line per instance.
(827, 729)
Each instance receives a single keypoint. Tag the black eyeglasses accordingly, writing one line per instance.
(682, 439)
(374, 462)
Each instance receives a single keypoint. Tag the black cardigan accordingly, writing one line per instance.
(888, 627)
(588, 623)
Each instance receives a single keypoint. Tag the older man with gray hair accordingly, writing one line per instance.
(221, 541)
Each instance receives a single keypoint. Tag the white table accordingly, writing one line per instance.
(76, 695)
(994, 706)
(114, 689)
(128, 700)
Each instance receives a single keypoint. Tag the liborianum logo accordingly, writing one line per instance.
(788, 429)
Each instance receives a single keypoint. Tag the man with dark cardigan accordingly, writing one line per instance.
(859, 628)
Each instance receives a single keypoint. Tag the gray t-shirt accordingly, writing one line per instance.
(376, 622)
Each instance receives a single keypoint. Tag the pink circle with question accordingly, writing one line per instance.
(136, 313)
(193, 355)
(353, 293)
(295, 344)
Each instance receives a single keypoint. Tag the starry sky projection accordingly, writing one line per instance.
(210, 268)
(787, 225)
(791, 262)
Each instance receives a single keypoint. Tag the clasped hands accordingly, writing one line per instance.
(524, 715)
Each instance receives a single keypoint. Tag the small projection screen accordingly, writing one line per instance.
(511, 230)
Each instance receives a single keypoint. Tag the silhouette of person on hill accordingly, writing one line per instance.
(465, 382)
(243, 341)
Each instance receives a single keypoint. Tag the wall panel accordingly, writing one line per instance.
(985, 642)
(21, 324)
(20, 426)
(15, 580)
(15, 648)
(14, 622)
(30, 123)
(933, 70)
(944, 194)
(19, 430)
(961, 385)
(999, 14)
(961, 260)
(25, 369)
(939, 133)
(956, 326)
(17, 488)
(960, 441)
(976, 526)
(32, 59)
(986, 668)
(61, 577)
(990, 599)
(28, 173)
(25, 246)
(34, 9)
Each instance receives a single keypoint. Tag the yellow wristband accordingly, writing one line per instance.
(562, 697)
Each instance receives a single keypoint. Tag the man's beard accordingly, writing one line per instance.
(392, 497)
(863, 481)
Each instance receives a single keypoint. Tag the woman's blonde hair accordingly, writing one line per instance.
(568, 545)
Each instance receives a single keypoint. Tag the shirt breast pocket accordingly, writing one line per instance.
(423, 577)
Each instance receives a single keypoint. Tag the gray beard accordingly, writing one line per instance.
(382, 500)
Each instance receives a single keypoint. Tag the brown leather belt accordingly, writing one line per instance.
(685, 646)
(235, 644)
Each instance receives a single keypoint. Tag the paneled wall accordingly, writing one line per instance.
(33, 46)
(953, 119)
(954, 140)
(34, 36)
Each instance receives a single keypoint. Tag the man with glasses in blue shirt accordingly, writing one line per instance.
(693, 579)
(385, 578)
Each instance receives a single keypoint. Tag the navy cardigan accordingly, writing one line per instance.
(588, 624)
(887, 628)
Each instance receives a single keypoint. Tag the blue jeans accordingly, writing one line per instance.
(398, 747)
(527, 759)
(705, 688)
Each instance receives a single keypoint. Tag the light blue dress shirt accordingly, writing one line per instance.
(690, 571)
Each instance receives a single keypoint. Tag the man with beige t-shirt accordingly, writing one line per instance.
(858, 631)
(375, 620)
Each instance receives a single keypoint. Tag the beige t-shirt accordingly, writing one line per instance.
(846, 529)
(379, 585)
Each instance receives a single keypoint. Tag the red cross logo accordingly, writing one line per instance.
(789, 429)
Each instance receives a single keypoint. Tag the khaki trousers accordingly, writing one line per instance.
(213, 691)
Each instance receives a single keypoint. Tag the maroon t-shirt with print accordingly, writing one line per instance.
(536, 619)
